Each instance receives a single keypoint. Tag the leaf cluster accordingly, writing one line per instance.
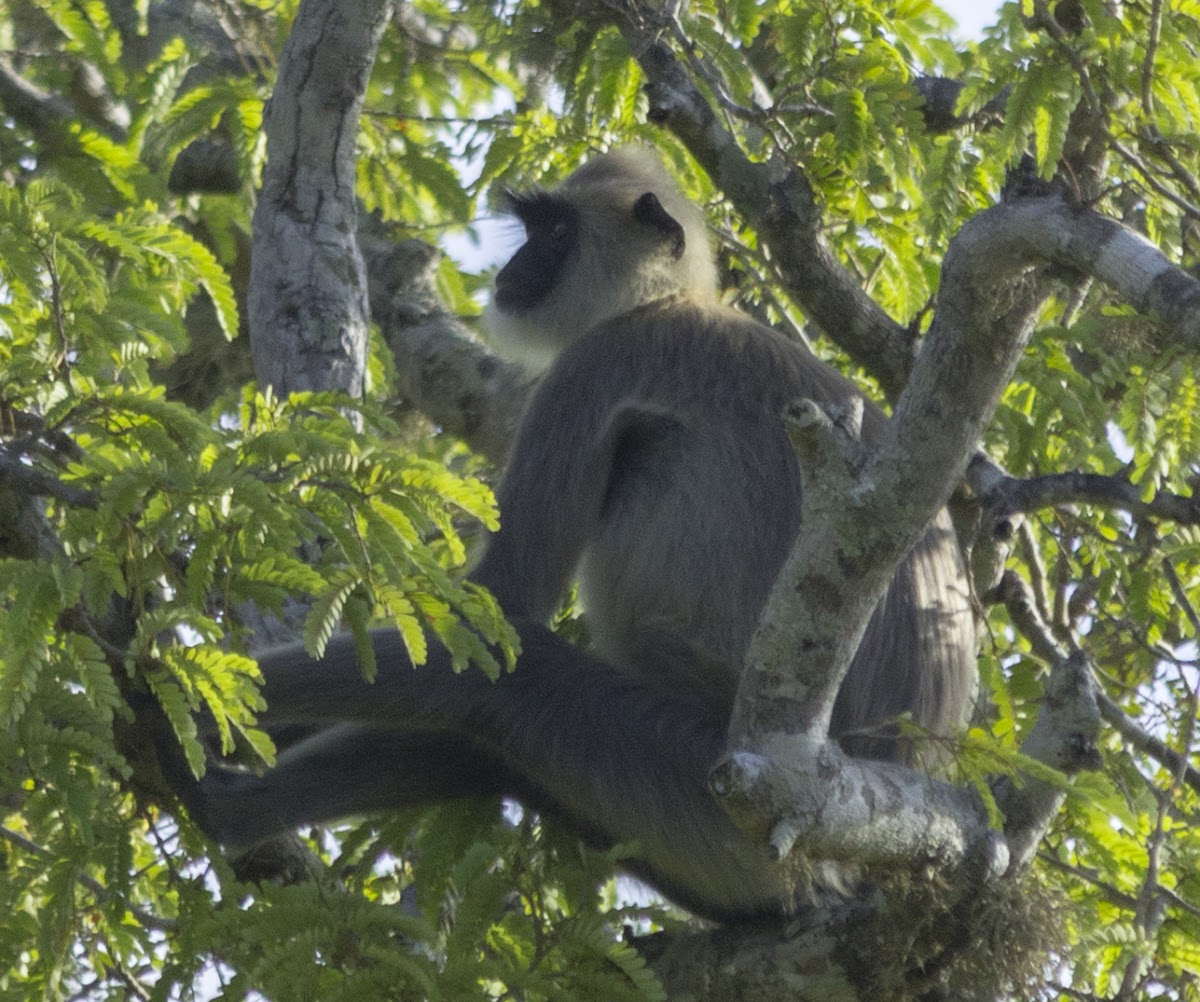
(149, 501)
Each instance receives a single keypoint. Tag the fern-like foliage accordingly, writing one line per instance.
(150, 499)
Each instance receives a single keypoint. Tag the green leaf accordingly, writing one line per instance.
(322, 619)
(209, 272)
(178, 709)
(852, 125)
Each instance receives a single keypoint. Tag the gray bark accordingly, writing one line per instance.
(308, 313)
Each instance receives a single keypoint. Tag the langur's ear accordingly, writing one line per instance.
(649, 211)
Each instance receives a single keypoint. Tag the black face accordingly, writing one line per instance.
(551, 240)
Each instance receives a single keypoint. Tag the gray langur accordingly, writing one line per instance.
(652, 466)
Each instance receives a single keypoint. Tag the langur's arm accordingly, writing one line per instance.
(551, 495)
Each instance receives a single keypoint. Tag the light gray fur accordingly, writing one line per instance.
(620, 267)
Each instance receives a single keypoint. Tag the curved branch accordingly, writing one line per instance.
(776, 199)
(20, 476)
(1015, 595)
(985, 309)
(45, 114)
(1012, 495)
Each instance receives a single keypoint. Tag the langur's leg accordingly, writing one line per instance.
(623, 759)
(342, 771)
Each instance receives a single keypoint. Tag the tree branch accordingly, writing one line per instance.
(1063, 737)
(1015, 594)
(46, 115)
(1011, 495)
(307, 303)
(20, 476)
(442, 369)
(860, 519)
(775, 199)
(1147, 743)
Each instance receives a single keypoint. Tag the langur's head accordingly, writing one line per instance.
(615, 235)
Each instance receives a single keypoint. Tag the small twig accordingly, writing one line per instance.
(1089, 876)
(715, 81)
(1014, 494)
(494, 121)
(1152, 40)
(131, 982)
(1152, 182)
(1037, 569)
(148, 919)
(1181, 596)
(1147, 743)
(1017, 597)
(1043, 19)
